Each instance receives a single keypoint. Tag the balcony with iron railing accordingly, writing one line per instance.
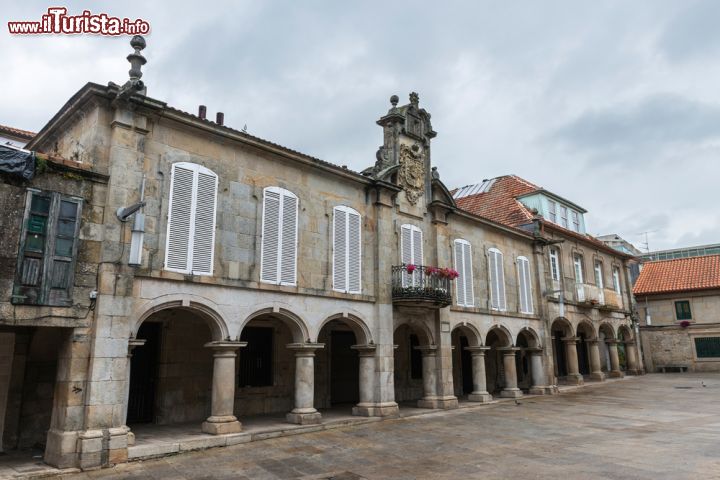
(421, 286)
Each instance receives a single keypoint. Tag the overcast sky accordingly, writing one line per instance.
(614, 105)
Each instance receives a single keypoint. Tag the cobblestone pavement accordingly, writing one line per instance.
(652, 427)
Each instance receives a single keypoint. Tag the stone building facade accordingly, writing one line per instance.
(218, 275)
(679, 301)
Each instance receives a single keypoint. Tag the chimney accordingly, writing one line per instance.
(202, 111)
(220, 118)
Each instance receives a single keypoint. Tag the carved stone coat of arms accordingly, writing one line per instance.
(412, 172)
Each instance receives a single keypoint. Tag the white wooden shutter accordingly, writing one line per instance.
(288, 258)
(459, 266)
(339, 249)
(411, 247)
(204, 224)
(191, 219)
(497, 279)
(354, 252)
(463, 265)
(270, 236)
(279, 237)
(468, 275)
(525, 290)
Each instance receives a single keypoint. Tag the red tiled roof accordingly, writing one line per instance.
(16, 132)
(499, 203)
(679, 275)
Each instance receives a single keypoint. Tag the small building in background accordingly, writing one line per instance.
(679, 304)
(14, 136)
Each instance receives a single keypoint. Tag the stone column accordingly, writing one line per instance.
(222, 419)
(511, 389)
(595, 363)
(479, 393)
(304, 412)
(631, 354)
(539, 378)
(429, 359)
(614, 359)
(132, 343)
(573, 376)
(366, 407)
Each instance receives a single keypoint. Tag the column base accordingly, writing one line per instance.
(574, 379)
(90, 446)
(445, 403)
(597, 376)
(633, 372)
(616, 374)
(221, 425)
(61, 449)
(376, 409)
(482, 397)
(118, 445)
(541, 390)
(304, 417)
(511, 393)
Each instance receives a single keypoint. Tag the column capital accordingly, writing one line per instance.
(509, 350)
(225, 346)
(477, 349)
(427, 349)
(135, 342)
(612, 341)
(592, 341)
(570, 339)
(367, 350)
(534, 350)
(304, 349)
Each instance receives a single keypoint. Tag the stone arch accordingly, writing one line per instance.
(625, 332)
(607, 329)
(356, 324)
(298, 327)
(503, 334)
(584, 326)
(531, 336)
(562, 323)
(420, 329)
(471, 332)
(202, 307)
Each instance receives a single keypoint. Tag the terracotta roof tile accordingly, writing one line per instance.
(27, 135)
(499, 203)
(679, 275)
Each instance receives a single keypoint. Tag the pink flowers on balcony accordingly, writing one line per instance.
(448, 273)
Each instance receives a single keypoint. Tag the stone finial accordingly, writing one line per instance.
(136, 59)
(394, 100)
(414, 99)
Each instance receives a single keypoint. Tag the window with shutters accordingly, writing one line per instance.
(278, 256)
(411, 252)
(599, 280)
(563, 216)
(525, 290)
(616, 280)
(497, 280)
(578, 264)
(191, 219)
(552, 211)
(464, 282)
(555, 264)
(347, 226)
(48, 248)
(682, 310)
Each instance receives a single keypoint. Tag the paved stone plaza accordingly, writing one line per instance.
(651, 427)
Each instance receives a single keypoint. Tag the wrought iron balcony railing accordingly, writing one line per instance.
(421, 286)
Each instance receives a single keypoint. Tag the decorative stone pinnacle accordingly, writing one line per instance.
(394, 100)
(136, 59)
(414, 98)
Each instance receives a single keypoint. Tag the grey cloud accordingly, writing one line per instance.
(693, 32)
(653, 122)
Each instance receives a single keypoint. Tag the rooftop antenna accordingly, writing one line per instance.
(646, 243)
